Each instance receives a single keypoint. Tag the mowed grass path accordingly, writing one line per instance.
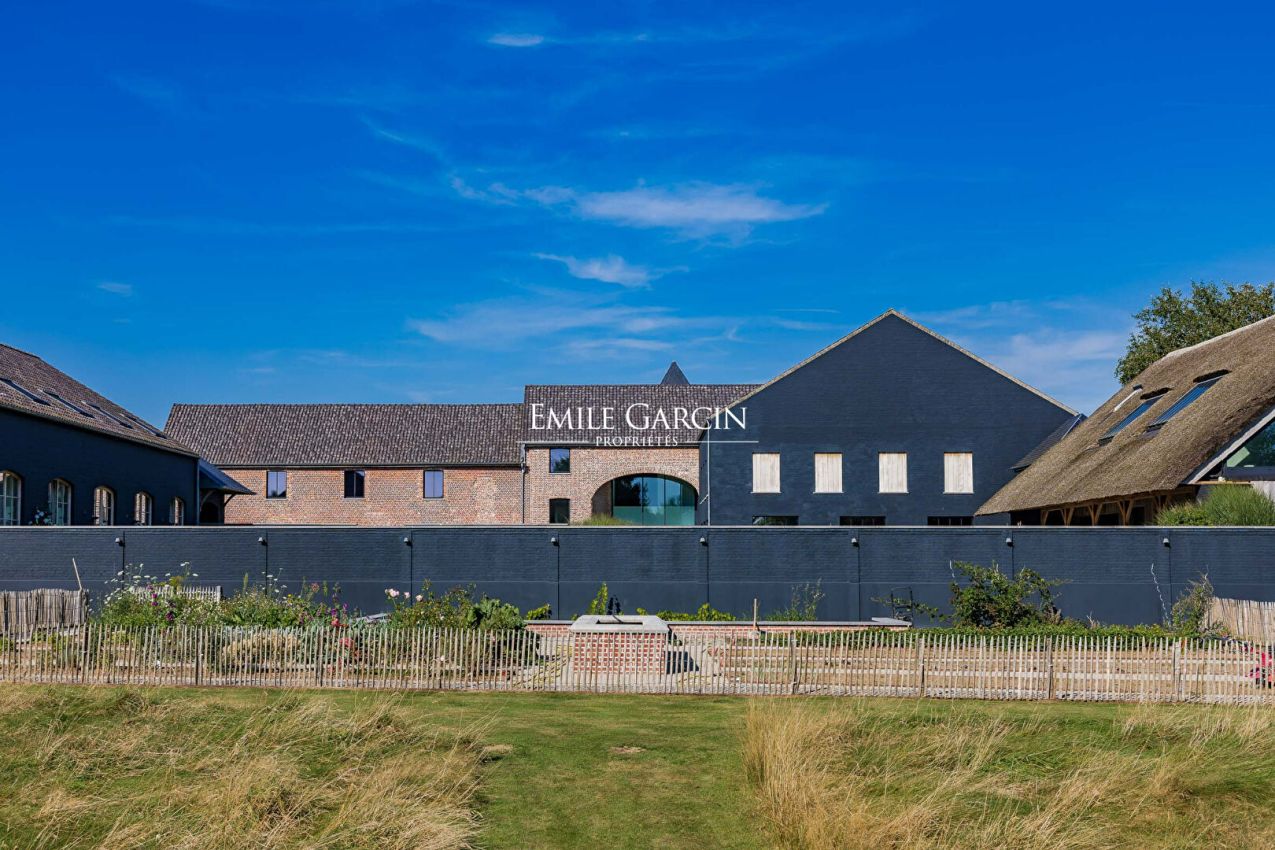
(113, 767)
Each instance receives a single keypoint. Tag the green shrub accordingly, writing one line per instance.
(992, 599)
(544, 612)
(804, 605)
(601, 603)
(704, 614)
(454, 609)
(1232, 504)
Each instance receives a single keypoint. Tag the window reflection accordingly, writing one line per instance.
(653, 500)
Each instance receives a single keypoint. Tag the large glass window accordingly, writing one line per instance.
(1258, 452)
(277, 484)
(354, 480)
(560, 460)
(433, 484)
(59, 502)
(559, 511)
(10, 498)
(653, 500)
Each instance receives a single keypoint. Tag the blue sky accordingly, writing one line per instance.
(396, 201)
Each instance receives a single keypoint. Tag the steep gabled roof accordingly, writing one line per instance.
(674, 376)
(1065, 428)
(258, 435)
(892, 313)
(1141, 459)
(30, 385)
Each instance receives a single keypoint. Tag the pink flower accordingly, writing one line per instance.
(393, 594)
(419, 598)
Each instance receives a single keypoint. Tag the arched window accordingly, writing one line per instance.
(647, 500)
(176, 511)
(59, 502)
(104, 506)
(10, 498)
(142, 508)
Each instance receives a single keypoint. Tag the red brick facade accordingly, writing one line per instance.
(591, 468)
(619, 653)
(488, 496)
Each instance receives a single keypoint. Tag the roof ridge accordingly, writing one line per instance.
(1184, 349)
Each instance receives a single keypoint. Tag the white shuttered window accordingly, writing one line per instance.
(958, 472)
(892, 472)
(765, 472)
(827, 472)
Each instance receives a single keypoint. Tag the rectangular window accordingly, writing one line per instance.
(827, 472)
(1132, 415)
(354, 479)
(1191, 395)
(863, 520)
(26, 392)
(958, 472)
(433, 484)
(277, 484)
(774, 520)
(892, 472)
(765, 472)
(559, 511)
(176, 512)
(949, 520)
(560, 460)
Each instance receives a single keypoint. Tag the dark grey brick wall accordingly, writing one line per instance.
(1118, 575)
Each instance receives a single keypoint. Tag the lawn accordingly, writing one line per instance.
(112, 767)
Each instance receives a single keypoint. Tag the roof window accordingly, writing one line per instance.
(1142, 408)
(1201, 387)
(67, 404)
(26, 392)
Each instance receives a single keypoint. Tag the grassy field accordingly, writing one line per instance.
(110, 767)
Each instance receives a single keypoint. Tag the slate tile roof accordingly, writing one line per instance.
(255, 435)
(57, 396)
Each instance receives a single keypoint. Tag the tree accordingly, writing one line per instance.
(1172, 321)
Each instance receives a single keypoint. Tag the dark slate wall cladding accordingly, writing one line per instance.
(518, 565)
(40, 450)
(1119, 575)
(892, 388)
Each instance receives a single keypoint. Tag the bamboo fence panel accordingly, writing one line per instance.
(25, 611)
(942, 666)
(1245, 618)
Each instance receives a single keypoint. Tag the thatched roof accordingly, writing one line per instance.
(1141, 459)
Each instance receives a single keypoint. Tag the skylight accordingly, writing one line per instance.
(68, 404)
(1192, 394)
(114, 419)
(1133, 414)
(26, 392)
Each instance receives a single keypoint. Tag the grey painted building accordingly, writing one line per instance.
(890, 425)
(70, 456)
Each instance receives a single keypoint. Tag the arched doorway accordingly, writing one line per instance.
(647, 500)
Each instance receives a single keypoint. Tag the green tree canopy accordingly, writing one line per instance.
(1172, 321)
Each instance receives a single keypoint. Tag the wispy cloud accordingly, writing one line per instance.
(1069, 351)
(507, 322)
(609, 269)
(695, 209)
(115, 288)
(516, 39)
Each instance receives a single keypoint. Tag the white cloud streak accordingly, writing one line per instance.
(609, 269)
(122, 289)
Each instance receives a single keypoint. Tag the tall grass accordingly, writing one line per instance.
(857, 775)
(129, 769)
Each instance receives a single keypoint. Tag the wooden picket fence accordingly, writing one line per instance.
(25, 611)
(849, 664)
(1245, 618)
